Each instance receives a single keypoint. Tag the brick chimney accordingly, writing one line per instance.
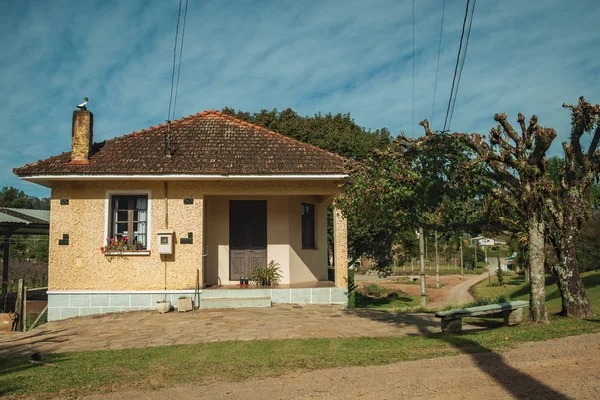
(82, 136)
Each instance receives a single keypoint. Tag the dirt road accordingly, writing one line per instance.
(557, 369)
(460, 293)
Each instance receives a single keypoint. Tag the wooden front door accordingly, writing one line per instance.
(247, 237)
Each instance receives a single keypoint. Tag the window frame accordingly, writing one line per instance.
(304, 227)
(109, 221)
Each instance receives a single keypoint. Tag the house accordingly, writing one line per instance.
(221, 194)
(482, 241)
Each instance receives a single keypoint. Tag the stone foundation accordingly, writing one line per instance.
(69, 304)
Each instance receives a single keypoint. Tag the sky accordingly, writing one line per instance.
(312, 56)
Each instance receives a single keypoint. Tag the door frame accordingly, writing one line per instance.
(248, 249)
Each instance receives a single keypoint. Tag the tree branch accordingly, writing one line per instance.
(510, 131)
(524, 132)
(543, 139)
(594, 144)
(555, 213)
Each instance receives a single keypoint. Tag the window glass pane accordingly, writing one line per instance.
(141, 203)
(308, 226)
(140, 216)
(120, 228)
(139, 227)
(140, 240)
(121, 202)
(121, 216)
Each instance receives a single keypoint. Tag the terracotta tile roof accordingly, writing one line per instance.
(205, 143)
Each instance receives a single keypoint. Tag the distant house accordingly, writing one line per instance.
(222, 195)
(482, 241)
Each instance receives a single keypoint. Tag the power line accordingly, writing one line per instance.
(438, 60)
(462, 64)
(413, 69)
(174, 59)
(180, 54)
(457, 62)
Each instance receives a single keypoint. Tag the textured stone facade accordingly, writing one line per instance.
(82, 135)
(80, 265)
(340, 233)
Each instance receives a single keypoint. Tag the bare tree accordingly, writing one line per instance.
(516, 162)
(569, 204)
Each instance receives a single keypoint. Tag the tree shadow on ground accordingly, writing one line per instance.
(19, 364)
(24, 344)
(514, 381)
(364, 300)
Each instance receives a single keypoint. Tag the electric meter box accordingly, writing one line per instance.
(165, 241)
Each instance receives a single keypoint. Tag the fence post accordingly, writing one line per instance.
(24, 310)
(19, 304)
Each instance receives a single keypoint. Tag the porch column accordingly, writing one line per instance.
(340, 251)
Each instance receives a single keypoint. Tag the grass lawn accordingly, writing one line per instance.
(84, 373)
(516, 289)
(392, 302)
(104, 371)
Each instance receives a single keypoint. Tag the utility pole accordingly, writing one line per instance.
(485, 251)
(426, 255)
(462, 264)
(422, 257)
(437, 262)
(475, 242)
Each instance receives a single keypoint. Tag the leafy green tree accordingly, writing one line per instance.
(339, 134)
(15, 198)
(588, 249)
(412, 184)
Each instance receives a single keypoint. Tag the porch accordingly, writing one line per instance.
(245, 232)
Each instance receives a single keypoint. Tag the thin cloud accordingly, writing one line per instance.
(332, 56)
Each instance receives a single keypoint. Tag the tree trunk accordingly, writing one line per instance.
(437, 263)
(574, 299)
(537, 297)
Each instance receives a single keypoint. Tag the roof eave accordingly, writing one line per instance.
(46, 180)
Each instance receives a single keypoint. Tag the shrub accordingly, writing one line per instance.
(483, 301)
(588, 248)
(267, 276)
(351, 289)
(375, 290)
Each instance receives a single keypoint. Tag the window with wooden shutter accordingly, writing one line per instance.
(308, 226)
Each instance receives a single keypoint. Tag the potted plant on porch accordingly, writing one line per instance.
(266, 276)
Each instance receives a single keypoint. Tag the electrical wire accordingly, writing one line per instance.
(180, 54)
(437, 69)
(174, 61)
(462, 64)
(457, 63)
(413, 69)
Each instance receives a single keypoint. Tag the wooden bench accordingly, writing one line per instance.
(512, 312)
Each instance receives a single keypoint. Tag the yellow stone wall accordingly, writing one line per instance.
(82, 266)
(82, 135)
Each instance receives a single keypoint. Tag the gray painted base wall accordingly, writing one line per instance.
(63, 305)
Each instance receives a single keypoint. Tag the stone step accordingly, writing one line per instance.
(215, 303)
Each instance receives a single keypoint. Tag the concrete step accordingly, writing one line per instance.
(214, 303)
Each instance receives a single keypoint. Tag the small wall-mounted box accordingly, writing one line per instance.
(165, 241)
